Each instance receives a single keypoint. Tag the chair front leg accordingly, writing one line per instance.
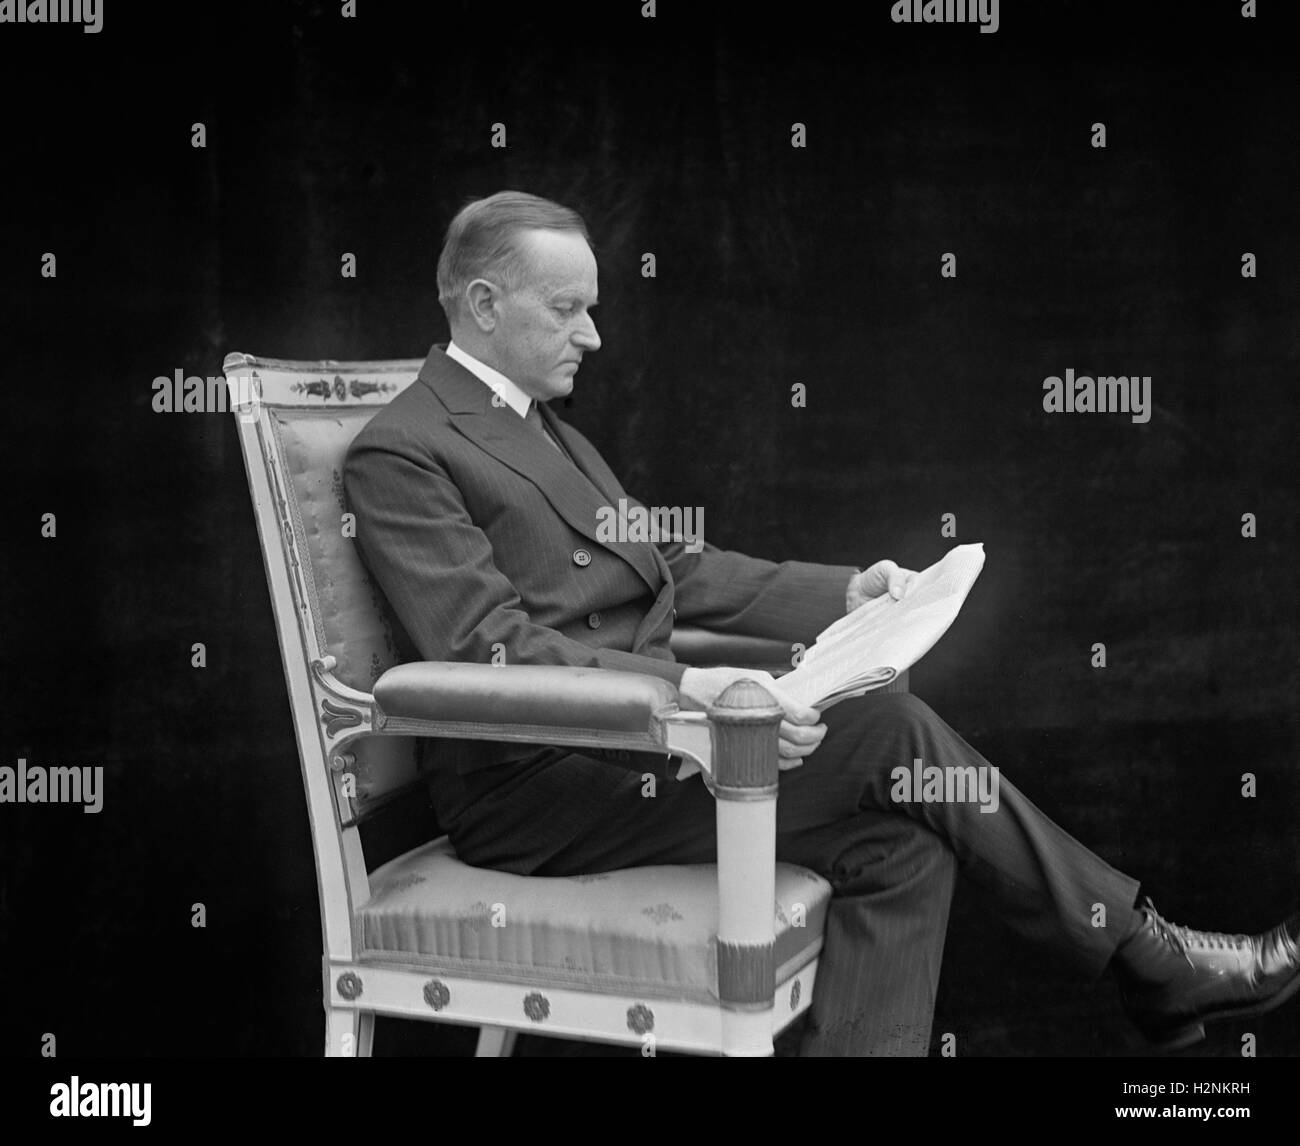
(495, 1042)
(746, 722)
(348, 1033)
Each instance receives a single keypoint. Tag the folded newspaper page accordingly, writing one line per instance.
(869, 647)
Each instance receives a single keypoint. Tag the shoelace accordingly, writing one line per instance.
(1181, 938)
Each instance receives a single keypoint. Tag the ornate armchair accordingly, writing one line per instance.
(712, 959)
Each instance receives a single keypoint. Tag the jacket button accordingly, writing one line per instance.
(594, 620)
(581, 557)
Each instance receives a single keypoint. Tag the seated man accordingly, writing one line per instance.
(478, 513)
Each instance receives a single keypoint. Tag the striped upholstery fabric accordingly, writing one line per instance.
(649, 931)
(346, 606)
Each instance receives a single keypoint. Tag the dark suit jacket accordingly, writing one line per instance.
(483, 538)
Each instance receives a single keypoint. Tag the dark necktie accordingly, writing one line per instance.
(534, 419)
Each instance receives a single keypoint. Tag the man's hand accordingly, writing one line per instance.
(800, 730)
(883, 577)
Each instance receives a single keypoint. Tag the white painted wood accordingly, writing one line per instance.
(289, 619)
(679, 1025)
(689, 734)
(348, 1033)
(746, 870)
(747, 1034)
(495, 1042)
(307, 385)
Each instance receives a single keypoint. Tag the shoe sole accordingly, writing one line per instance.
(1191, 1034)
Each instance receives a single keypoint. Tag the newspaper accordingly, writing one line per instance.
(871, 646)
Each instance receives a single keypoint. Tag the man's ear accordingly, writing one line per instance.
(481, 302)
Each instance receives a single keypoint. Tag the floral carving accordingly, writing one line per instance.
(794, 995)
(640, 1019)
(349, 985)
(436, 994)
(318, 389)
(337, 388)
(536, 1007)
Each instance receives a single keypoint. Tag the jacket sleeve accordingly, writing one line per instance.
(729, 592)
(435, 567)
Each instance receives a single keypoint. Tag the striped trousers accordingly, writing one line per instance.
(891, 864)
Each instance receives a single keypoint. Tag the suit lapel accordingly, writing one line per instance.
(587, 460)
(576, 494)
(603, 478)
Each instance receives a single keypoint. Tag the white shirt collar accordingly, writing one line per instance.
(513, 397)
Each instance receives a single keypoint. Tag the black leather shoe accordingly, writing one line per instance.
(1174, 979)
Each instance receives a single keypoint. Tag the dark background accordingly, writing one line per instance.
(775, 266)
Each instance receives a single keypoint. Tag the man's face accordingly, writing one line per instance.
(544, 328)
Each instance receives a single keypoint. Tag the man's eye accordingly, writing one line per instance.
(563, 308)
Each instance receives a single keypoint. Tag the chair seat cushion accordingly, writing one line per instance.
(643, 931)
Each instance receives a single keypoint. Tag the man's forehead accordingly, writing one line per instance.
(560, 260)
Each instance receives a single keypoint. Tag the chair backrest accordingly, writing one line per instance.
(296, 420)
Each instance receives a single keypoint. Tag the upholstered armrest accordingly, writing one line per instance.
(694, 646)
(535, 696)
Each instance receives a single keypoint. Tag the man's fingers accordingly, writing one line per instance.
(879, 575)
(799, 740)
(886, 577)
(802, 733)
(899, 582)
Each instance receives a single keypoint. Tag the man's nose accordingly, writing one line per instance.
(585, 335)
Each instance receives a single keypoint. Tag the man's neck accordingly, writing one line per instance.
(491, 377)
(471, 342)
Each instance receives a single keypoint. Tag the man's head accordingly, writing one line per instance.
(517, 280)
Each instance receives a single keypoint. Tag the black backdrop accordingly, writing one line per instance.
(775, 266)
